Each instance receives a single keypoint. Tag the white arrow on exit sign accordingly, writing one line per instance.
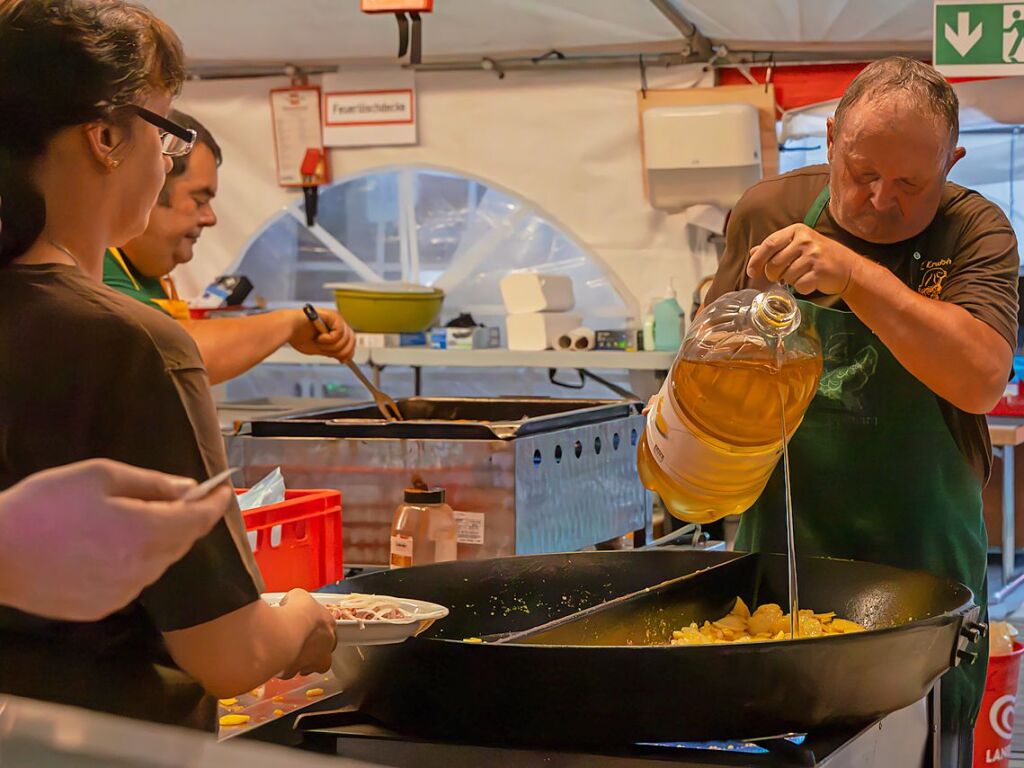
(963, 38)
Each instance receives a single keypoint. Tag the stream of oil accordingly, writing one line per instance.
(794, 592)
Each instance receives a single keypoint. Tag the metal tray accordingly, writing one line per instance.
(499, 418)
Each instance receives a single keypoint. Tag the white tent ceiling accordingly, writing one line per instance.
(811, 21)
(335, 30)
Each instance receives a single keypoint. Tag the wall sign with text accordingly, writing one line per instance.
(369, 108)
(295, 115)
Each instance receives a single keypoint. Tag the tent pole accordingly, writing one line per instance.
(696, 43)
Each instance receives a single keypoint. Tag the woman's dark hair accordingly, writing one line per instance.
(65, 63)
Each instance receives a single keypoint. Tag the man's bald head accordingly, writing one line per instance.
(908, 82)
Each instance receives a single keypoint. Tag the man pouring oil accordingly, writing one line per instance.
(908, 283)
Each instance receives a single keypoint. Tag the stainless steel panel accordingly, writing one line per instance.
(554, 506)
(566, 501)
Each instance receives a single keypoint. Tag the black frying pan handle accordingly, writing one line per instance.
(344, 717)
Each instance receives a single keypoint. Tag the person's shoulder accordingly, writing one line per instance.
(784, 199)
(59, 303)
(166, 334)
(970, 211)
(101, 316)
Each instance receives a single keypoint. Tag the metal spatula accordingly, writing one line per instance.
(385, 403)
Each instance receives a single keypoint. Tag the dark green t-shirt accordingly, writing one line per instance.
(127, 280)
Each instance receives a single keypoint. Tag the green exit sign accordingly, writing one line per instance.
(978, 37)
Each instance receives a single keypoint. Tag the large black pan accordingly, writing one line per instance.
(602, 680)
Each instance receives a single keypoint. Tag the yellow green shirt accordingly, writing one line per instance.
(121, 275)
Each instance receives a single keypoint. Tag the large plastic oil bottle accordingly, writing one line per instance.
(714, 432)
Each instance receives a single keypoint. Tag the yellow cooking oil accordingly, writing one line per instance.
(713, 436)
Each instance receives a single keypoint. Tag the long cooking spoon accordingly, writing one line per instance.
(385, 403)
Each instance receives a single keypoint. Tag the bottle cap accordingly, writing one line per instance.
(424, 495)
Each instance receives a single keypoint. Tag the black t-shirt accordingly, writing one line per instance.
(966, 256)
(84, 373)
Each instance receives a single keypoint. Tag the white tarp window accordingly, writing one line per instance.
(422, 225)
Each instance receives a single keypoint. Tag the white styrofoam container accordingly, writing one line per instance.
(538, 331)
(525, 292)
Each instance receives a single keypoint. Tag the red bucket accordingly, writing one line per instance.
(993, 733)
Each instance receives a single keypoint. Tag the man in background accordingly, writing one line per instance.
(142, 269)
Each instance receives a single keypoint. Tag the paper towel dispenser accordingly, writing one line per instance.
(700, 154)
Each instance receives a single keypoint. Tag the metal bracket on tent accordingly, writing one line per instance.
(490, 65)
(695, 43)
(554, 53)
(643, 77)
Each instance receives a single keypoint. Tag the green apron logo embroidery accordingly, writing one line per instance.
(844, 383)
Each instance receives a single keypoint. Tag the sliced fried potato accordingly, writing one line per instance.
(845, 626)
(740, 609)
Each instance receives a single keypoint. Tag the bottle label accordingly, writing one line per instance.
(662, 421)
(703, 468)
(401, 551)
(470, 527)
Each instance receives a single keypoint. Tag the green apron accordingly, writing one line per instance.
(877, 476)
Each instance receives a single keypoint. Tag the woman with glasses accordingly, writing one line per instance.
(88, 373)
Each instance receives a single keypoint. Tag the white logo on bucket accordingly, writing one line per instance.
(1000, 717)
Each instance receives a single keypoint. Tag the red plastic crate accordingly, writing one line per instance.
(298, 541)
(1011, 403)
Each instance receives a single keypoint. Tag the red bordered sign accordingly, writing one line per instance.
(380, 107)
(296, 121)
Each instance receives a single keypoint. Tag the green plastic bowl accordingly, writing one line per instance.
(385, 311)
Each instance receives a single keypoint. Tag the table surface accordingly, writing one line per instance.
(1006, 430)
(489, 358)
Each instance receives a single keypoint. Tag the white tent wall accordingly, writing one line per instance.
(568, 142)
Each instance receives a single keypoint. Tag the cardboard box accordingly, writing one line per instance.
(617, 341)
(381, 340)
(465, 338)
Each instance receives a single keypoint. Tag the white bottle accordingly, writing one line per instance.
(649, 327)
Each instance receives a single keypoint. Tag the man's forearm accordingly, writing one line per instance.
(960, 358)
(230, 346)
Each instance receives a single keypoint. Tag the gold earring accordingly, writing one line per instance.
(113, 163)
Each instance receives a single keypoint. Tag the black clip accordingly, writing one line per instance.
(407, 40)
(417, 36)
(643, 77)
(974, 631)
(554, 53)
(403, 34)
(966, 657)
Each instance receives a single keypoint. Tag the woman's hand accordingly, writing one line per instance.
(315, 655)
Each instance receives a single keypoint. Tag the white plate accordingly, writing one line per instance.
(389, 287)
(381, 631)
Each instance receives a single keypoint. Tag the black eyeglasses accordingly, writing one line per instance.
(175, 140)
